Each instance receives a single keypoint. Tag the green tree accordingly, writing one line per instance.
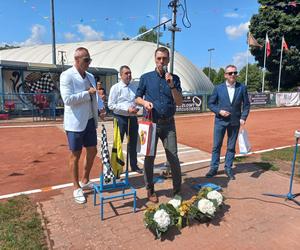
(148, 37)
(9, 47)
(278, 18)
(219, 77)
(213, 73)
(254, 80)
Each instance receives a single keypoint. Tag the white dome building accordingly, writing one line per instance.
(138, 55)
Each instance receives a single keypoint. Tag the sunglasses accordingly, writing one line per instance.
(232, 73)
(87, 59)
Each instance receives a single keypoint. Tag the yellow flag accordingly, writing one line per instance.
(117, 158)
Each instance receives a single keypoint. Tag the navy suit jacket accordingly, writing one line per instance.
(239, 108)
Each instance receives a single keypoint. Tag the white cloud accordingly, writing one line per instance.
(88, 33)
(37, 33)
(240, 59)
(232, 15)
(237, 31)
(164, 18)
(70, 37)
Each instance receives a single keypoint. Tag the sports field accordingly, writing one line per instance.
(35, 156)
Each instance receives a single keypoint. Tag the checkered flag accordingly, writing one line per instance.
(107, 171)
(43, 84)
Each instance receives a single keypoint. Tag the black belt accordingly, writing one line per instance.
(165, 121)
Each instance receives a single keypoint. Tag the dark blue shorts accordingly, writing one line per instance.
(85, 138)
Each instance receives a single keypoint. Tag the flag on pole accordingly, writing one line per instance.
(117, 158)
(108, 175)
(284, 44)
(268, 45)
(252, 41)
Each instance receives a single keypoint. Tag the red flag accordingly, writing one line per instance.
(268, 45)
(284, 44)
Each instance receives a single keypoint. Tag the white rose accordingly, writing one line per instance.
(206, 206)
(162, 218)
(215, 195)
(175, 202)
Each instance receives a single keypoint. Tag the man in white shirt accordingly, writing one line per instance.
(121, 101)
(78, 92)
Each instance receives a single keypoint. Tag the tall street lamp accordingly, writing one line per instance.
(209, 69)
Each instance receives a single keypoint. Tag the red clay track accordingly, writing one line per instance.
(37, 157)
(33, 158)
(266, 129)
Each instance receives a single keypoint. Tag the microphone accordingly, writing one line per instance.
(165, 69)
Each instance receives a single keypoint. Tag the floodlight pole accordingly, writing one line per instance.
(209, 69)
(158, 30)
(173, 29)
(53, 32)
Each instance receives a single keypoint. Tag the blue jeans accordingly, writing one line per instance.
(167, 134)
(133, 135)
(219, 133)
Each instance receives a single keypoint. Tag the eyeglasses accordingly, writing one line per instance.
(87, 59)
(232, 73)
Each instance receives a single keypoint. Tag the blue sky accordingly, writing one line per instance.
(219, 24)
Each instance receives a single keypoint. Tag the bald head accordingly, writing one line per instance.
(82, 59)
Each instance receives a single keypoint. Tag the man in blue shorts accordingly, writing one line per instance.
(78, 91)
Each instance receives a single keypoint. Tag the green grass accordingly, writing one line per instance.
(286, 154)
(20, 225)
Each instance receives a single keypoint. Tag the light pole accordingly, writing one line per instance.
(158, 29)
(210, 51)
(53, 32)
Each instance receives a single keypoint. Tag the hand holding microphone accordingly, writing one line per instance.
(168, 77)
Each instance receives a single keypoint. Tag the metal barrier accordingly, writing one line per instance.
(39, 106)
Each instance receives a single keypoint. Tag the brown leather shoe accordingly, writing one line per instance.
(152, 196)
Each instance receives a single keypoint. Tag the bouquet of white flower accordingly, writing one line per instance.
(205, 206)
(201, 207)
(160, 219)
(215, 195)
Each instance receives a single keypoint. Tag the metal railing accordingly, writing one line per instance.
(39, 106)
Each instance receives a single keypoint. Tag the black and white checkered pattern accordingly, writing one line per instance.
(44, 84)
(107, 171)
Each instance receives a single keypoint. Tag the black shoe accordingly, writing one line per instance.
(138, 170)
(176, 192)
(211, 173)
(230, 174)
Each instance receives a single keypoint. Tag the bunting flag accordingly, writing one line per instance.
(268, 46)
(252, 41)
(108, 174)
(284, 44)
(117, 158)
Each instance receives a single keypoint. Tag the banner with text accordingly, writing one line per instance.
(191, 104)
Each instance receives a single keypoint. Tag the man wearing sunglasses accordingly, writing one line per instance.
(81, 104)
(230, 103)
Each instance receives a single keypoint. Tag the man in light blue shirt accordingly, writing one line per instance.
(122, 102)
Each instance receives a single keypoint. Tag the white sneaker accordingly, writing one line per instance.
(89, 185)
(79, 196)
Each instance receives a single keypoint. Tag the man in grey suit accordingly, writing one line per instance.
(230, 103)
